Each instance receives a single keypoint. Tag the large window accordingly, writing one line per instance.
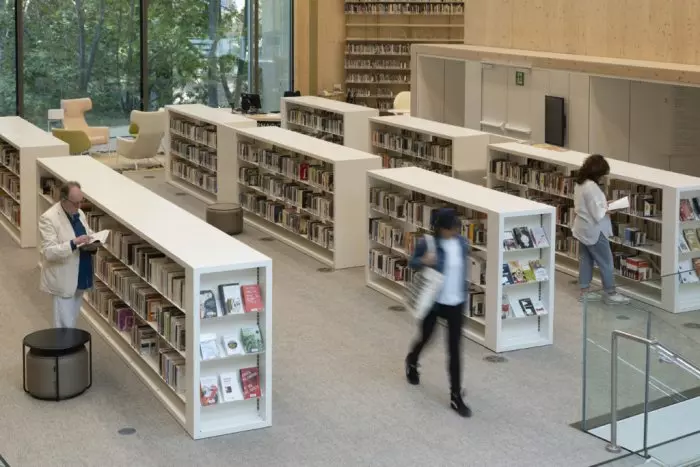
(195, 51)
(8, 83)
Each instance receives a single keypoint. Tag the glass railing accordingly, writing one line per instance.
(655, 411)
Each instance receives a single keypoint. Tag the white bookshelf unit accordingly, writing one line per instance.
(151, 277)
(21, 143)
(200, 144)
(328, 119)
(401, 203)
(646, 236)
(404, 141)
(306, 192)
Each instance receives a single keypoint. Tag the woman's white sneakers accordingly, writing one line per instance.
(608, 299)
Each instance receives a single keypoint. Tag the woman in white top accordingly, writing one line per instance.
(592, 228)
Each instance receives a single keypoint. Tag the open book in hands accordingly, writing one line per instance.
(100, 236)
(622, 203)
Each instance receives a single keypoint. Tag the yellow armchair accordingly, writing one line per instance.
(74, 119)
(78, 141)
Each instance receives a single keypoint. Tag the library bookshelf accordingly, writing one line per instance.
(152, 278)
(404, 141)
(647, 236)
(378, 42)
(306, 192)
(328, 119)
(401, 203)
(200, 144)
(21, 143)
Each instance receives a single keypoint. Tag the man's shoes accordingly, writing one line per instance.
(459, 406)
(412, 370)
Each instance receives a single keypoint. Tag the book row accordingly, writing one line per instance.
(415, 145)
(534, 175)
(378, 78)
(299, 196)
(525, 237)
(382, 8)
(378, 64)
(10, 209)
(234, 299)
(289, 219)
(391, 266)
(10, 183)
(318, 120)
(204, 134)
(379, 93)
(390, 161)
(521, 272)
(299, 168)
(238, 386)
(377, 49)
(203, 179)
(521, 308)
(244, 341)
(644, 201)
(9, 157)
(198, 155)
(169, 363)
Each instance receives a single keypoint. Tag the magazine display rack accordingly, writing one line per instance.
(200, 146)
(511, 266)
(328, 119)
(379, 35)
(405, 141)
(305, 192)
(21, 143)
(649, 243)
(186, 306)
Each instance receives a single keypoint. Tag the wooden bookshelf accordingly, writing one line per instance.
(646, 236)
(149, 279)
(328, 119)
(401, 201)
(200, 144)
(305, 192)
(378, 42)
(404, 141)
(21, 143)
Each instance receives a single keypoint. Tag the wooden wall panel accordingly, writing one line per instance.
(655, 30)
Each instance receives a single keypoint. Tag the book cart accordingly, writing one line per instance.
(379, 35)
(21, 143)
(306, 192)
(328, 119)
(511, 299)
(649, 243)
(200, 146)
(404, 141)
(159, 271)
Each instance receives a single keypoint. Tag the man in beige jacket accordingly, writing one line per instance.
(66, 269)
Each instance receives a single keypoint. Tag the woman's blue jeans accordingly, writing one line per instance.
(599, 254)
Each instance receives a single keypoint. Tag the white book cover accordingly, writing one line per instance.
(232, 344)
(231, 387)
(687, 274)
(231, 301)
(539, 237)
(208, 347)
(539, 308)
(516, 310)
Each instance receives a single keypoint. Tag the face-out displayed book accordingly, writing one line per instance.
(521, 308)
(233, 299)
(689, 209)
(522, 272)
(689, 241)
(689, 271)
(243, 341)
(241, 385)
(525, 237)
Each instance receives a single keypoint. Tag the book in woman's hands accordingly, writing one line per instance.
(622, 203)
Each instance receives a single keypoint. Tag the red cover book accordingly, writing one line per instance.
(252, 299)
(250, 380)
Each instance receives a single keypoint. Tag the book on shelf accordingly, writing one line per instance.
(505, 306)
(539, 308)
(539, 272)
(516, 272)
(231, 300)
(527, 306)
(250, 380)
(208, 390)
(682, 244)
(208, 346)
(509, 242)
(252, 299)
(691, 236)
(539, 237)
(687, 273)
(687, 213)
(231, 390)
(477, 304)
(232, 344)
(207, 305)
(506, 276)
(696, 266)
(477, 265)
(523, 237)
(251, 339)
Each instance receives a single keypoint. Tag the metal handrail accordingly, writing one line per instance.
(667, 354)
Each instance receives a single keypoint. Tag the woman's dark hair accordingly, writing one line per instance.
(445, 218)
(594, 168)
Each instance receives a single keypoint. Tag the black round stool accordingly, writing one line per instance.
(58, 365)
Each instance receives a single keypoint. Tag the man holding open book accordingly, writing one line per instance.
(66, 263)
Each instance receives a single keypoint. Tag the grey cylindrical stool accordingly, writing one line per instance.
(227, 217)
(58, 365)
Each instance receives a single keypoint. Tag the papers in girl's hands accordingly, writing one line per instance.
(622, 203)
(100, 236)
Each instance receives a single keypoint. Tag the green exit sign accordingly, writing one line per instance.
(520, 78)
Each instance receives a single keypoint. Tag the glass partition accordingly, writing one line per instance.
(8, 99)
(274, 57)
